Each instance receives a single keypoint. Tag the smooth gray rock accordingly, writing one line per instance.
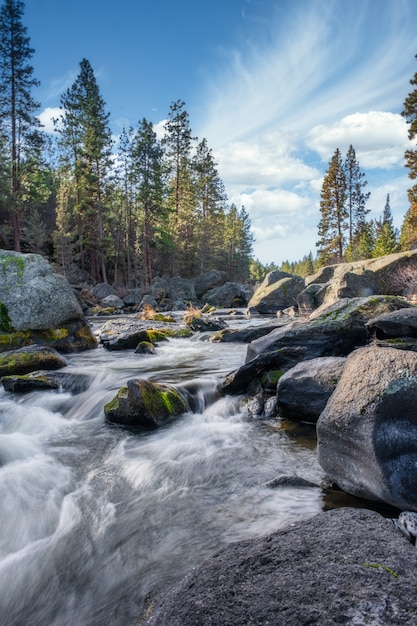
(181, 289)
(228, 295)
(209, 280)
(102, 290)
(36, 297)
(303, 391)
(112, 301)
(346, 566)
(272, 297)
(367, 434)
(382, 275)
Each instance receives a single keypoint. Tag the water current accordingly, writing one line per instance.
(95, 518)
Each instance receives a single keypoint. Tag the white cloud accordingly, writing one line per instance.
(269, 160)
(47, 116)
(378, 137)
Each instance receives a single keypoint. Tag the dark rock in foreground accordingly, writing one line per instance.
(367, 434)
(345, 566)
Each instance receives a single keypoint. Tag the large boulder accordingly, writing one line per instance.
(335, 332)
(303, 391)
(208, 280)
(367, 434)
(228, 295)
(145, 405)
(389, 274)
(39, 305)
(181, 289)
(276, 296)
(346, 566)
(126, 333)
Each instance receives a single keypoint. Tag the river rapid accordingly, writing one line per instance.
(95, 520)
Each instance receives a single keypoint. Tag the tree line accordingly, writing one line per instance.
(152, 205)
(123, 213)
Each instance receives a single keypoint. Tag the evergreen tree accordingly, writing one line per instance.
(355, 197)
(211, 200)
(148, 177)
(181, 200)
(386, 235)
(410, 114)
(238, 241)
(85, 142)
(334, 215)
(17, 106)
(408, 236)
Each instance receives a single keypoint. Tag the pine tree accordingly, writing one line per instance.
(85, 142)
(211, 199)
(355, 197)
(386, 235)
(334, 215)
(148, 176)
(17, 106)
(181, 200)
(410, 114)
(408, 236)
(238, 241)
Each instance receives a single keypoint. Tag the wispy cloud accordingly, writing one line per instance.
(321, 75)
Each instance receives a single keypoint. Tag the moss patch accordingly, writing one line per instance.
(5, 321)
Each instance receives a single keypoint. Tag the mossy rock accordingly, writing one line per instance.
(145, 347)
(6, 325)
(30, 359)
(145, 405)
(269, 380)
(28, 382)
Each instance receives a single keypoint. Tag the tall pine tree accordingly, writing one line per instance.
(86, 142)
(17, 106)
(333, 224)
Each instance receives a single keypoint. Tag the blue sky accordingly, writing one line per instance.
(275, 86)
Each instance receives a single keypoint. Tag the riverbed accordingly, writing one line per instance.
(97, 520)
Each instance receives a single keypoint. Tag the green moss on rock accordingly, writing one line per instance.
(5, 321)
(145, 405)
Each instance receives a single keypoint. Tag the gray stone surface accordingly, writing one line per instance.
(335, 332)
(367, 434)
(344, 566)
(273, 297)
(303, 391)
(35, 296)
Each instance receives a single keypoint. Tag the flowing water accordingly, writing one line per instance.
(94, 518)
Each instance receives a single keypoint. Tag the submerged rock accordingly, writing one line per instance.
(145, 405)
(344, 566)
(75, 383)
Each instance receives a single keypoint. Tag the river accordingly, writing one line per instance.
(95, 520)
